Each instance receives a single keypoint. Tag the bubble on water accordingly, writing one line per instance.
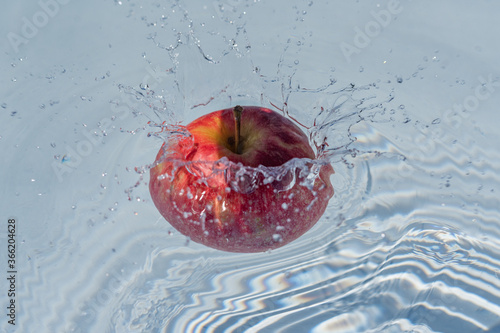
(284, 206)
(277, 238)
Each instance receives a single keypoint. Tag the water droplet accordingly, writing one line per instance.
(4, 105)
(399, 79)
(277, 238)
(436, 121)
(361, 69)
(53, 144)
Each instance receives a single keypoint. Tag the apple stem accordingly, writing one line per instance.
(237, 111)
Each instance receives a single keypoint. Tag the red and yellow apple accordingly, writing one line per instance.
(240, 180)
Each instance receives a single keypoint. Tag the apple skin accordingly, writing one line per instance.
(233, 205)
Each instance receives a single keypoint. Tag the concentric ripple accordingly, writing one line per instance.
(410, 242)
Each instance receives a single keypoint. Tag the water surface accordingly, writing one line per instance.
(404, 95)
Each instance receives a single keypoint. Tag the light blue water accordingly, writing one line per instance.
(405, 93)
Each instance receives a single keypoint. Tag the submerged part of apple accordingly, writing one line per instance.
(250, 190)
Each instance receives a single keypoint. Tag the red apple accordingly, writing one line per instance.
(244, 180)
